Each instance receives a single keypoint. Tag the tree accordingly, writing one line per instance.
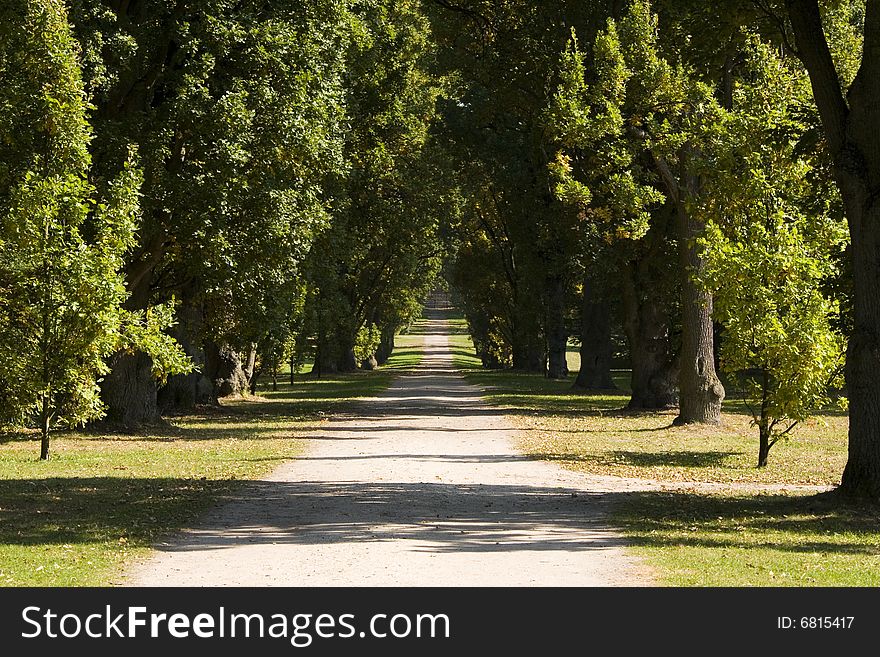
(850, 113)
(237, 112)
(380, 252)
(779, 332)
(771, 247)
(61, 251)
(604, 174)
(503, 56)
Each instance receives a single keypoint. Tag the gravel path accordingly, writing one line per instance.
(421, 487)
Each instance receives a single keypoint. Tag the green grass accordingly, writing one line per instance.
(104, 499)
(407, 349)
(591, 432)
(689, 536)
(720, 539)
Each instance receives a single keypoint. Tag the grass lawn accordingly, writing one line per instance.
(104, 499)
(695, 538)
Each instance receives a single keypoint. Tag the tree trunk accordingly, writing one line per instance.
(654, 369)
(251, 372)
(557, 337)
(861, 477)
(595, 371)
(527, 350)
(764, 448)
(850, 125)
(45, 421)
(701, 392)
(223, 367)
(347, 360)
(249, 367)
(129, 391)
(182, 392)
(529, 357)
(386, 344)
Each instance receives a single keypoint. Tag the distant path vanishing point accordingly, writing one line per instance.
(421, 487)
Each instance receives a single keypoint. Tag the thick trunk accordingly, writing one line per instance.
(850, 125)
(529, 357)
(183, 392)
(347, 360)
(223, 366)
(324, 362)
(701, 392)
(527, 350)
(861, 477)
(335, 354)
(654, 368)
(595, 371)
(557, 337)
(129, 391)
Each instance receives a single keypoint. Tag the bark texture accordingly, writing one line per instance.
(850, 124)
(557, 335)
(129, 391)
(226, 370)
(649, 334)
(596, 352)
(701, 391)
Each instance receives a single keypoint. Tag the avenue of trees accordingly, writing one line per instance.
(193, 195)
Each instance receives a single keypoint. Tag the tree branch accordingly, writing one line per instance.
(812, 46)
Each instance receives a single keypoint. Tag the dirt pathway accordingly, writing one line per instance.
(423, 487)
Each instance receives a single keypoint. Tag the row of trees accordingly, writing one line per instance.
(693, 181)
(192, 195)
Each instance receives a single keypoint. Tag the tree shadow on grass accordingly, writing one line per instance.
(685, 459)
(790, 523)
(89, 510)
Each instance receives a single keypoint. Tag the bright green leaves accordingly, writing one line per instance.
(771, 248)
(61, 251)
(598, 169)
(767, 284)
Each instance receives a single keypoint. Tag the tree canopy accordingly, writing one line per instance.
(193, 195)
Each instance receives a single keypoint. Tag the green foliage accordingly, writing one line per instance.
(61, 250)
(597, 169)
(238, 113)
(778, 325)
(376, 261)
(771, 249)
(366, 343)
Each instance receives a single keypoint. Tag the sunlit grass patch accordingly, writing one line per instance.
(699, 539)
